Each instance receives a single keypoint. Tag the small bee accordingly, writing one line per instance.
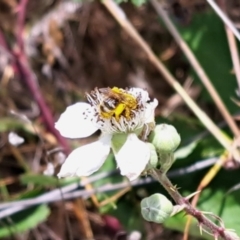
(116, 102)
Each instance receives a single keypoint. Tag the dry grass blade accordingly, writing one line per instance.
(120, 16)
(232, 47)
(212, 91)
(234, 54)
(225, 19)
(197, 67)
(79, 209)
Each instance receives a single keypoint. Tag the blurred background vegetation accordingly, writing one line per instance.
(51, 53)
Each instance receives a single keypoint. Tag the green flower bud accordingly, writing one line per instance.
(156, 208)
(165, 138)
(153, 162)
(166, 160)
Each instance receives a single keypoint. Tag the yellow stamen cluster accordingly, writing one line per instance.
(117, 102)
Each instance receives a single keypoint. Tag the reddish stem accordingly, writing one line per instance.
(203, 221)
(22, 68)
(20, 23)
(31, 81)
(2, 41)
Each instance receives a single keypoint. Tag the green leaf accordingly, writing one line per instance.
(46, 181)
(178, 223)
(185, 151)
(207, 38)
(128, 213)
(11, 124)
(8, 124)
(24, 220)
(41, 180)
(29, 193)
(138, 3)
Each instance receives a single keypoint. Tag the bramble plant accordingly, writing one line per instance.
(126, 120)
(122, 116)
(75, 44)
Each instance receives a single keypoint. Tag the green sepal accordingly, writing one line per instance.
(118, 140)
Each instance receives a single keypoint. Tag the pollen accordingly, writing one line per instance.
(117, 110)
(116, 102)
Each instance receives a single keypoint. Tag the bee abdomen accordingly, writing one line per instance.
(109, 104)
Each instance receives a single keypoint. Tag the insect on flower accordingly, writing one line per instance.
(117, 102)
(118, 113)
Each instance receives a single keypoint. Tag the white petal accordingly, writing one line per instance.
(76, 122)
(150, 111)
(140, 92)
(133, 157)
(49, 171)
(14, 139)
(87, 159)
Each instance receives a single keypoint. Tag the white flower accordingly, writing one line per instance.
(113, 111)
(14, 139)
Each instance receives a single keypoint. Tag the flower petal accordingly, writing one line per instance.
(140, 92)
(77, 121)
(133, 157)
(87, 159)
(150, 111)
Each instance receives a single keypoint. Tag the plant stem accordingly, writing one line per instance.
(31, 82)
(203, 221)
(23, 69)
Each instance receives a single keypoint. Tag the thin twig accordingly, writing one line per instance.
(234, 54)
(225, 19)
(20, 22)
(206, 81)
(30, 78)
(197, 67)
(21, 65)
(32, 83)
(120, 16)
(233, 47)
(71, 192)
